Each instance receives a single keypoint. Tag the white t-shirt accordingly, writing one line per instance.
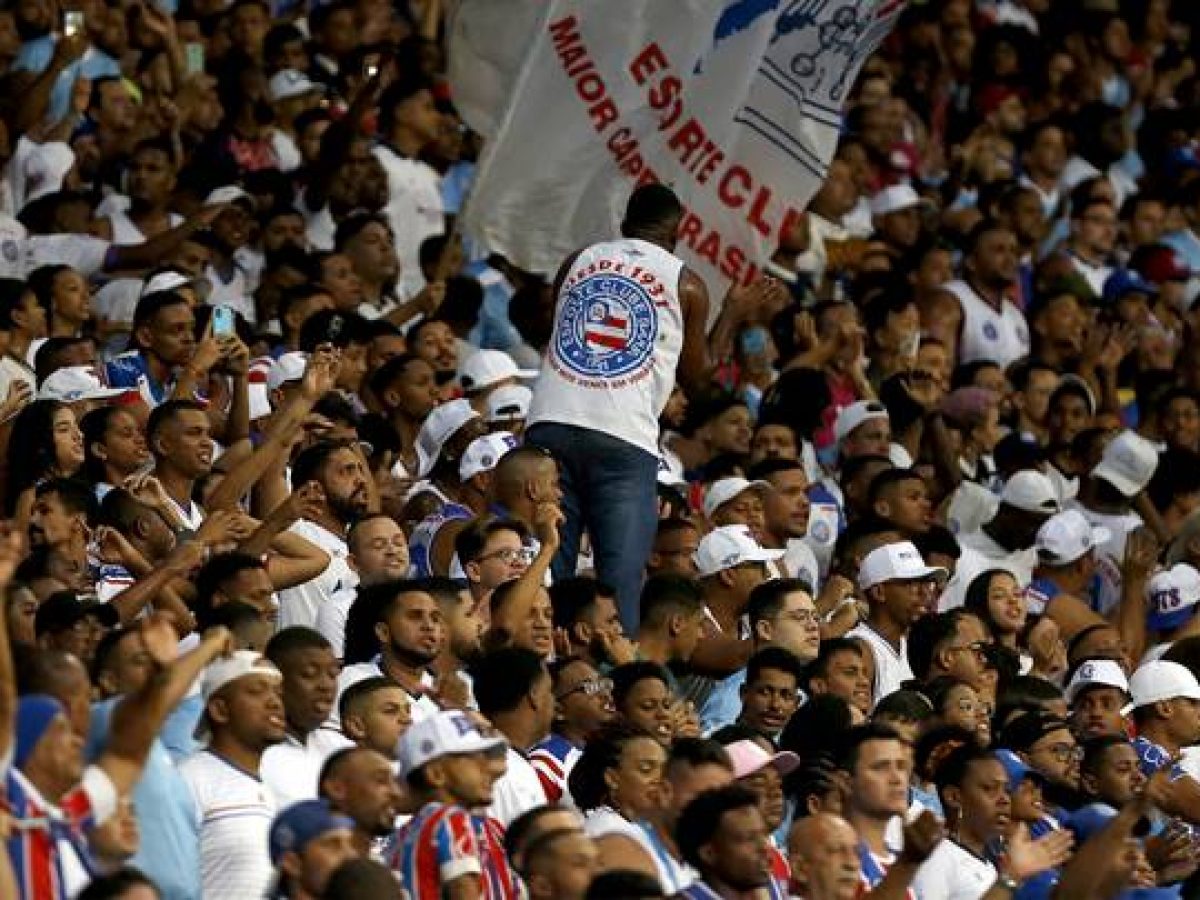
(420, 708)
(952, 873)
(414, 210)
(234, 810)
(331, 618)
(517, 792)
(298, 605)
(291, 769)
(891, 668)
(82, 253)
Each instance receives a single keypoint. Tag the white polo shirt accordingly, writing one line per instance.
(298, 605)
(291, 769)
(517, 791)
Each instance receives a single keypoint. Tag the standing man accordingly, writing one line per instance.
(628, 315)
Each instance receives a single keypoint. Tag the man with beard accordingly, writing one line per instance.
(1045, 743)
(898, 588)
(980, 321)
(583, 704)
(243, 716)
(407, 623)
(344, 497)
(375, 713)
(309, 669)
(360, 783)
(60, 524)
(722, 834)
(586, 610)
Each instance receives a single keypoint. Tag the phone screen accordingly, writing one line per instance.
(222, 321)
(72, 22)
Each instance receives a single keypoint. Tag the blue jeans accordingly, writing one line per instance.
(610, 487)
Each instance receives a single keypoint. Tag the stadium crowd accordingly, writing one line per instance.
(342, 558)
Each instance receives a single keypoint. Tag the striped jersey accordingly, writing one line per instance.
(437, 846)
(48, 847)
(234, 810)
(553, 759)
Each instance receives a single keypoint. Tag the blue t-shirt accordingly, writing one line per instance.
(169, 852)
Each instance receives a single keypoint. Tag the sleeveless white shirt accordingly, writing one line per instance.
(124, 231)
(987, 334)
(618, 333)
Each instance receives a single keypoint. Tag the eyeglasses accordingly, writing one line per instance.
(1063, 752)
(510, 555)
(979, 648)
(590, 687)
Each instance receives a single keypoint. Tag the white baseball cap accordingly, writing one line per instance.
(226, 670)
(483, 368)
(170, 281)
(894, 562)
(723, 490)
(1174, 594)
(439, 426)
(73, 383)
(729, 546)
(445, 733)
(508, 402)
(895, 198)
(483, 453)
(850, 417)
(288, 83)
(1067, 536)
(287, 368)
(1096, 673)
(229, 193)
(1128, 463)
(1031, 491)
(1161, 680)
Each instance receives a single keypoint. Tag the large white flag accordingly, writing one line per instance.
(734, 103)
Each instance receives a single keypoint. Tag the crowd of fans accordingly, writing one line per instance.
(341, 558)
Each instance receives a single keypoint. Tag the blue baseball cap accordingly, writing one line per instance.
(1126, 281)
(300, 824)
(1016, 769)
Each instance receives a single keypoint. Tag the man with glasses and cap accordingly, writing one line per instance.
(898, 589)
(1044, 742)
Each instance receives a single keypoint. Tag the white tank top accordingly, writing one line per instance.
(125, 232)
(986, 334)
(618, 332)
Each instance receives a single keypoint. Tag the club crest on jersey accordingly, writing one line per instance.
(607, 328)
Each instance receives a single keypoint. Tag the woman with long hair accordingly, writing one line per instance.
(45, 443)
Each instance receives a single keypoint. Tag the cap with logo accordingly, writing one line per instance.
(1174, 595)
(302, 823)
(1160, 680)
(446, 733)
(1030, 491)
(895, 198)
(508, 402)
(222, 672)
(850, 417)
(483, 453)
(1128, 463)
(895, 562)
(729, 546)
(1068, 536)
(1094, 673)
(723, 490)
(288, 83)
(748, 757)
(439, 426)
(71, 384)
(483, 368)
